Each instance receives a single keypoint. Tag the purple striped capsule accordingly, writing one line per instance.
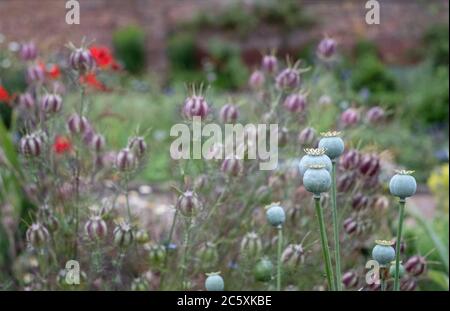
(81, 60)
(416, 265)
(138, 146)
(98, 142)
(35, 73)
(195, 106)
(229, 113)
(326, 48)
(251, 245)
(232, 167)
(369, 165)
(408, 285)
(293, 256)
(295, 103)
(307, 136)
(125, 160)
(350, 279)
(96, 228)
(350, 159)
(350, 225)
(350, 117)
(77, 124)
(269, 64)
(375, 114)
(123, 235)
(28, 51)
(26, 101)
(188, 203)
(256, 80)
(51, 103)
(359, 201)
(37, 235)
(288, 79)
(31, 145)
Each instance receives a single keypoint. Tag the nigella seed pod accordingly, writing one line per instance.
(156, 254)
(288, 79)
(229, 113)
(139, 285)
(359, 201)
(383, 252)
(408, 285)
(350, 225)
(138, 146)
(369, 165)
(326, 48)
(350, 279)
(214, 282)
(77, 124)
(314, 157)
(293, 255)
(98, 142)
(295, 102)
(283, 137)
(350, 159)
(251, 245)
(381, 203)
(332, 143)
(307, 136)
(317, 179)
(275, 215)
(81, 60)
(350, 117)
(123, 235)
(35, 73)
(142, 236)
(402, 184)
(416, 265)
(375, 114)
(401, 270)
(96, 228)
(208, 254)
(125, 160)
(263, 270)
(256, 80)
(269, 64)
(195, 106)
(28, 51)
(26, 101)
(232, 167)
(402, 246)
(51, 103)
(37, 235)
(31, 145)
(189, 204)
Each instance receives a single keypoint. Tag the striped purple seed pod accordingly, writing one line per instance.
(28, 51)
(77, 124)
(293, 256)
(283, 136)
(416, 265)
(51, 103)
(188, 204)
(269, 63)
(31, 145)
(125, 160)
(326, 48)
(96, 228)
(346, 181)
(35, 73)
(408, 285)
(229, 113)
(251, 245)
(369, 165)
(350, 279)
(295, 102)
(350, 117)
(37, 235)
(26, 101)
(307, 136)
(350, 225)
(81, 60)
(195, 106)
(123, 234)
(232, 167)
(375, 115)
(359, 201)
(138, 146)
(98, 142)
(380, 203)
(256, 80)
(350, 159)
(288, 79)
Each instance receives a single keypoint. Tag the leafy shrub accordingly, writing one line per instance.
(129, 45)
(436, 42)
(181, 51)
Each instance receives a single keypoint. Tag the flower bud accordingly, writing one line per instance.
(98, 142)
(269, 64)
(369, 165)
(350, 159)
(31, 145)
(307, 136)
(37, 235)
(125, 160)
(51, 103)
(375, 114)
(123, 235)
(350, 117)
(350, 279)
(229, 113)
(96, 228)
(275, 215)
(189, 204)
(214, 282)
(251, 245)
(28, 51)
(77, 124)
(359, 201)
(81, 60)
(332, 143)
(314, 157)
(295, 103)
(256, 80)
(288, 79)
(26, 101)
(293, 255)
(138, 146)
(232, 166)
(326, 48)
(35, 73)
(416, 265)
(195, 106)
(402, 184)
(317, 179)
(350, 225)
(383, 252)
(263, 270)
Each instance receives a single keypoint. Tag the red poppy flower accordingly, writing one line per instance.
(102, 56)
(91, 80)
(4, 95)
(62, 145)
(53, 71)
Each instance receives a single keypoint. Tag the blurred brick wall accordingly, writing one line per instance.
(402, 22)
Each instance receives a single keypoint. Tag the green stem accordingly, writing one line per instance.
(184, 259)
(383, 279)
(337, 255)
(127, 199)
(324, 242)
(280, 244)
(168, 242)
(401, 216)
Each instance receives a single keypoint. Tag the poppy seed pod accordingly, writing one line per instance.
(332, 143)
(288, 79)
(189, 204)
(317, 179)
(125, 160)
(359, 201)
(383, 252)
(123, 235)
(269, 64)
(350, 117)
(138, 146)
(26, 101)
(256, 80)
(375, 114)
(401, 270)
(251, 245)
(307, 136)
(77, 124)
(350, 279)
(31, 145)
(326, 48)
(28, 51)
(214, 282)
(295, 103)
(37, 235)
(156, 254)
(229, 113)
(195, 106)
(97, 142)
(232, 167)
(275, 215)
(350, 159)
(96, 228)
(263, 270)
(350, 225)
(402, 184)
(314, 157)
(369, 165)
(293, 255)
(35, 73)
(51, 103)
(81, 60)
(416, 265)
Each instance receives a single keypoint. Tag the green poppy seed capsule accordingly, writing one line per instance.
(275, 215)
(401, 270)
(314, 157)
(317, 179)
(402, 184)
(333, 144)
(383, 252)
(214, 282)
(263, 270)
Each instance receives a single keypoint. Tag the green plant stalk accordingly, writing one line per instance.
(280, 244)
(324, 242)
(383, 272)
(401, 216)
(166, 258)
(337, 252)
(185, 254)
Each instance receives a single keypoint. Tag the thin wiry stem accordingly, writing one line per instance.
(280, 243)
(401, 216)
(337, 255)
